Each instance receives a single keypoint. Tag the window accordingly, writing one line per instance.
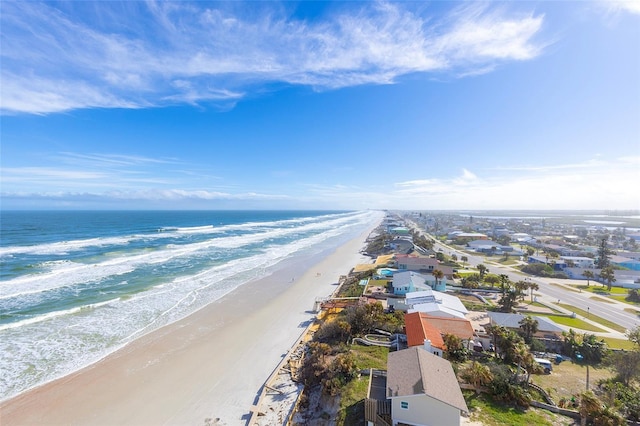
(404, 404)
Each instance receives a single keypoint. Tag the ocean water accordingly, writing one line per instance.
(76, 286)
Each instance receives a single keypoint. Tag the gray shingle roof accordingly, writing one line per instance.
(513, 321)
(415, 371)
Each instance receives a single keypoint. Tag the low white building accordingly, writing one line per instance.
(579, 261)
(435, 303)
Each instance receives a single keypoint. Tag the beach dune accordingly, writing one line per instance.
(205, 369)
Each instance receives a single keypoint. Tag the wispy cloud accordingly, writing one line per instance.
(629, 6)
(551, 167)
(137, 55)
(605, 184)
(72, 172)
(594, 184)
(109, 160)
(166, 199)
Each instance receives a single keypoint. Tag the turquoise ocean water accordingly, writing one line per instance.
(76, 286)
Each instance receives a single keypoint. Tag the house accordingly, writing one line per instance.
(409, 281)
(627, 279)
(546, 327)
(422, 264)
(421, 333)
(423, 389)
(468, 236)
(401, 244)
(578, 273)
(625, 262)
(459, 327)
(578, 261)
(521, 237)
(435, 303)
(489, 246)
(399, 230)
(557, 264)
(416, 263)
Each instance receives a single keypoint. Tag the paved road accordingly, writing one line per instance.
(552, 293)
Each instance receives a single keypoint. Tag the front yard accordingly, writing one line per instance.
(569, 379)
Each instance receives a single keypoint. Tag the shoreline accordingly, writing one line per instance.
(208, 367)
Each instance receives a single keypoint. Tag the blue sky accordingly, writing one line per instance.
(320, 105)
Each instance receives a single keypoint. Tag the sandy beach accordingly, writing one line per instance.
(205, 369)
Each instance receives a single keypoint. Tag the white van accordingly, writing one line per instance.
(546, 364)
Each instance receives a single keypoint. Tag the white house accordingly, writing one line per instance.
(579, 261)
(409, 281)
(435, 303)
(416, 263)
(423, 389)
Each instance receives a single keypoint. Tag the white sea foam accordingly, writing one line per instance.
(65, 247)
(195, 229)
(67, 274)
(54, 314)
(40, 349)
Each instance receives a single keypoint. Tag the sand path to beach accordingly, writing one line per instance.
(207, 368)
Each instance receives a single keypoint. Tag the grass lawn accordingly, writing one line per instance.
(353, 394)
(623, 298)
(603, 290)
(466, 272)
(618, 343)
(572, 322)
(370, 356)
(569, 379)
(352, 397)
(595, 318)
(484, 410)
(510, 261)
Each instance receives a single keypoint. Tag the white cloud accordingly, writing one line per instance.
(630, 6)
(591, 185)
(604, 185)
(594, 183)
(176, 52)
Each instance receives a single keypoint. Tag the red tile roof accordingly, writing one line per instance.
(459, 327)
(418, 331)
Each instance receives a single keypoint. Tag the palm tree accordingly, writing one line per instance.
(533, 286)
(504, 283)
(524, 359)
(438, 275)
(471, 281)
(588, 275)
(477, 375)
(521, 288)
(464, 259)
(590, 351)
(529, 326)
(608, 275)
(492, 279)
(508, 301)
(482, 269)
